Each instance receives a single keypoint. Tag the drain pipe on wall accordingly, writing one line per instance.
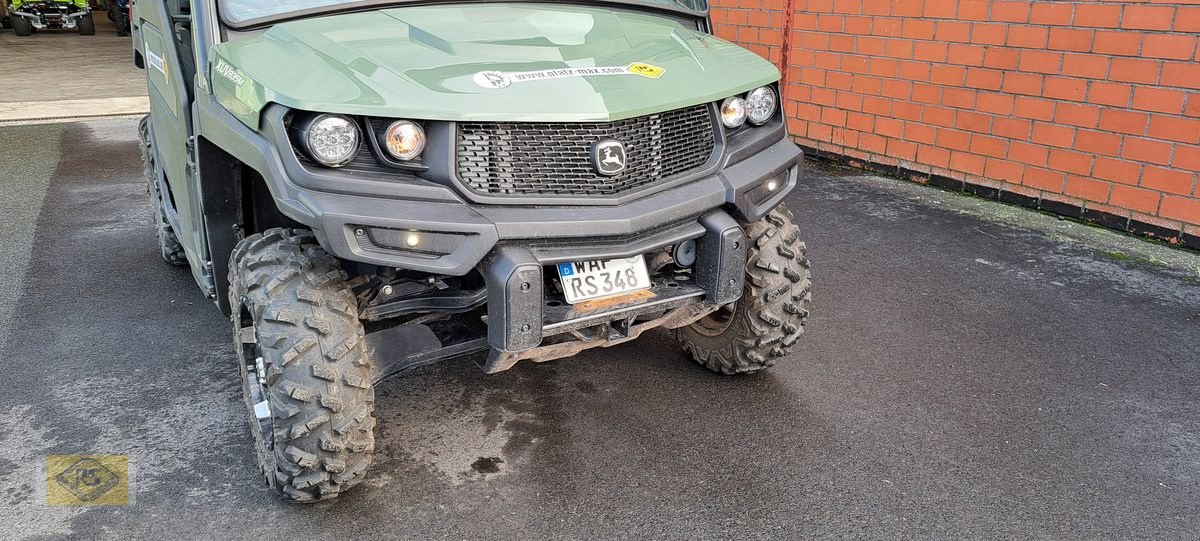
(785, 66)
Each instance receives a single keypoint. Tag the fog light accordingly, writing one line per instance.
(772, 184)
(412, 240)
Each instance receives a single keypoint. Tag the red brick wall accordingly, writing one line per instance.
(1094, 104)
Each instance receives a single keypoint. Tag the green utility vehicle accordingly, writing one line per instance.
(25, 16)
(370, 186)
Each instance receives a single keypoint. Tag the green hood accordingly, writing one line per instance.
(428, 63)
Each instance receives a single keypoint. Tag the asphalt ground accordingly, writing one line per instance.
(971, 371)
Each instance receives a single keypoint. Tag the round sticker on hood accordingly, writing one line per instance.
(492, 79)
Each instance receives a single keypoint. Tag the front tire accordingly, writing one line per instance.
(21, 26)
(87, 25)
(749, 335)
(306, 374)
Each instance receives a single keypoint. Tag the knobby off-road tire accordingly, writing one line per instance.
(762, 326)
(168, 243)
(292, 308)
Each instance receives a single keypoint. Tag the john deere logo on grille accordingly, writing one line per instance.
(608, 157)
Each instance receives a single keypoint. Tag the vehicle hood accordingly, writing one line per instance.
(495, 61)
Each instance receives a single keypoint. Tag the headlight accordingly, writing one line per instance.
(330, 140)
(404, 140)
(760, 105)
(733, 112)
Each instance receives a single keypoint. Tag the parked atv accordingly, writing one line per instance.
(25, 16)
(427, 180)
(118, 13)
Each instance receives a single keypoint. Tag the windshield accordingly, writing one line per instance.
(240, 11)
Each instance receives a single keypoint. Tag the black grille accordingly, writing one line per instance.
(555, 159)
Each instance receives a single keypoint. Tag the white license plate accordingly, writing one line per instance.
(587, 280)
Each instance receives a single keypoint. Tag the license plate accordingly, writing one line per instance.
(587, 280)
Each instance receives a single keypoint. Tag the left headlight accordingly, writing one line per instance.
(330, 140)
(760, 105)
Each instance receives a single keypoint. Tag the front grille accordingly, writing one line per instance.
(552, 159)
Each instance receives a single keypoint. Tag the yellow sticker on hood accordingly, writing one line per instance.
(645, 70)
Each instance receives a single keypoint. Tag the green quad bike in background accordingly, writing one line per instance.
(368, 186)
(25, 16)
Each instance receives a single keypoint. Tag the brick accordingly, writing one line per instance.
(932, 155)
(1123, 121)
(1023, 83)
(969, 55)
(953, 139)
(1096, 142)
(870, 46)
(889, 28)
(1012, 128)
(1042, 179)
(984, 79)
(1134, 198)
(823, 96)
(860, 122)
(1033, 37)
(917, 29)
(940, 9)
(958, 97)
(947, 75)
(1147, 17)
(1184, 209)
(1001, 58)
(849, 101)
(833, 117)
(989, 146)
(872, 143)
(1071, 162)
(1134, 70)
(1114, 94)
(919, 133)
(877, 106)
(1064, 88)
(1084, 116)
(1183, 130)
(1051, 13)
(938, 116)
(1159, 100)
(1147, 151)
(889, 127)
(1011, 12)
(1181, 75)
(1000, 104)
(1097, 16)
(971, 121)
(857, 25)
(1034, 108)
(1115, 43)
(973, 10)
(1085, 65)
(923, 93)
(1028, 154)
(1118, 171)
(866, 86)
(1087, 188)
(1053, 135)
(854, 64)
(1040, 62)
(1169, 46)
(1003, 170)
(841, 43)
(839, 81)
(1167, 180)
(899, 48)
(883, 67)
(967, 163)
(1070, 39)
(1187, 157)
(989, 34)
(830, 23)
(1193, 105)
(1187, 19)
(906, 110)
(903, 150)
(930, 51)
(953, 31)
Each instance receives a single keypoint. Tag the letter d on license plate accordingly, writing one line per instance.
(587, 280)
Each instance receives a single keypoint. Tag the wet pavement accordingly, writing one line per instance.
(971, 370)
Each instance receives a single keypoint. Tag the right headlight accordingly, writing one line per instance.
(760, 105)
(330, 140)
